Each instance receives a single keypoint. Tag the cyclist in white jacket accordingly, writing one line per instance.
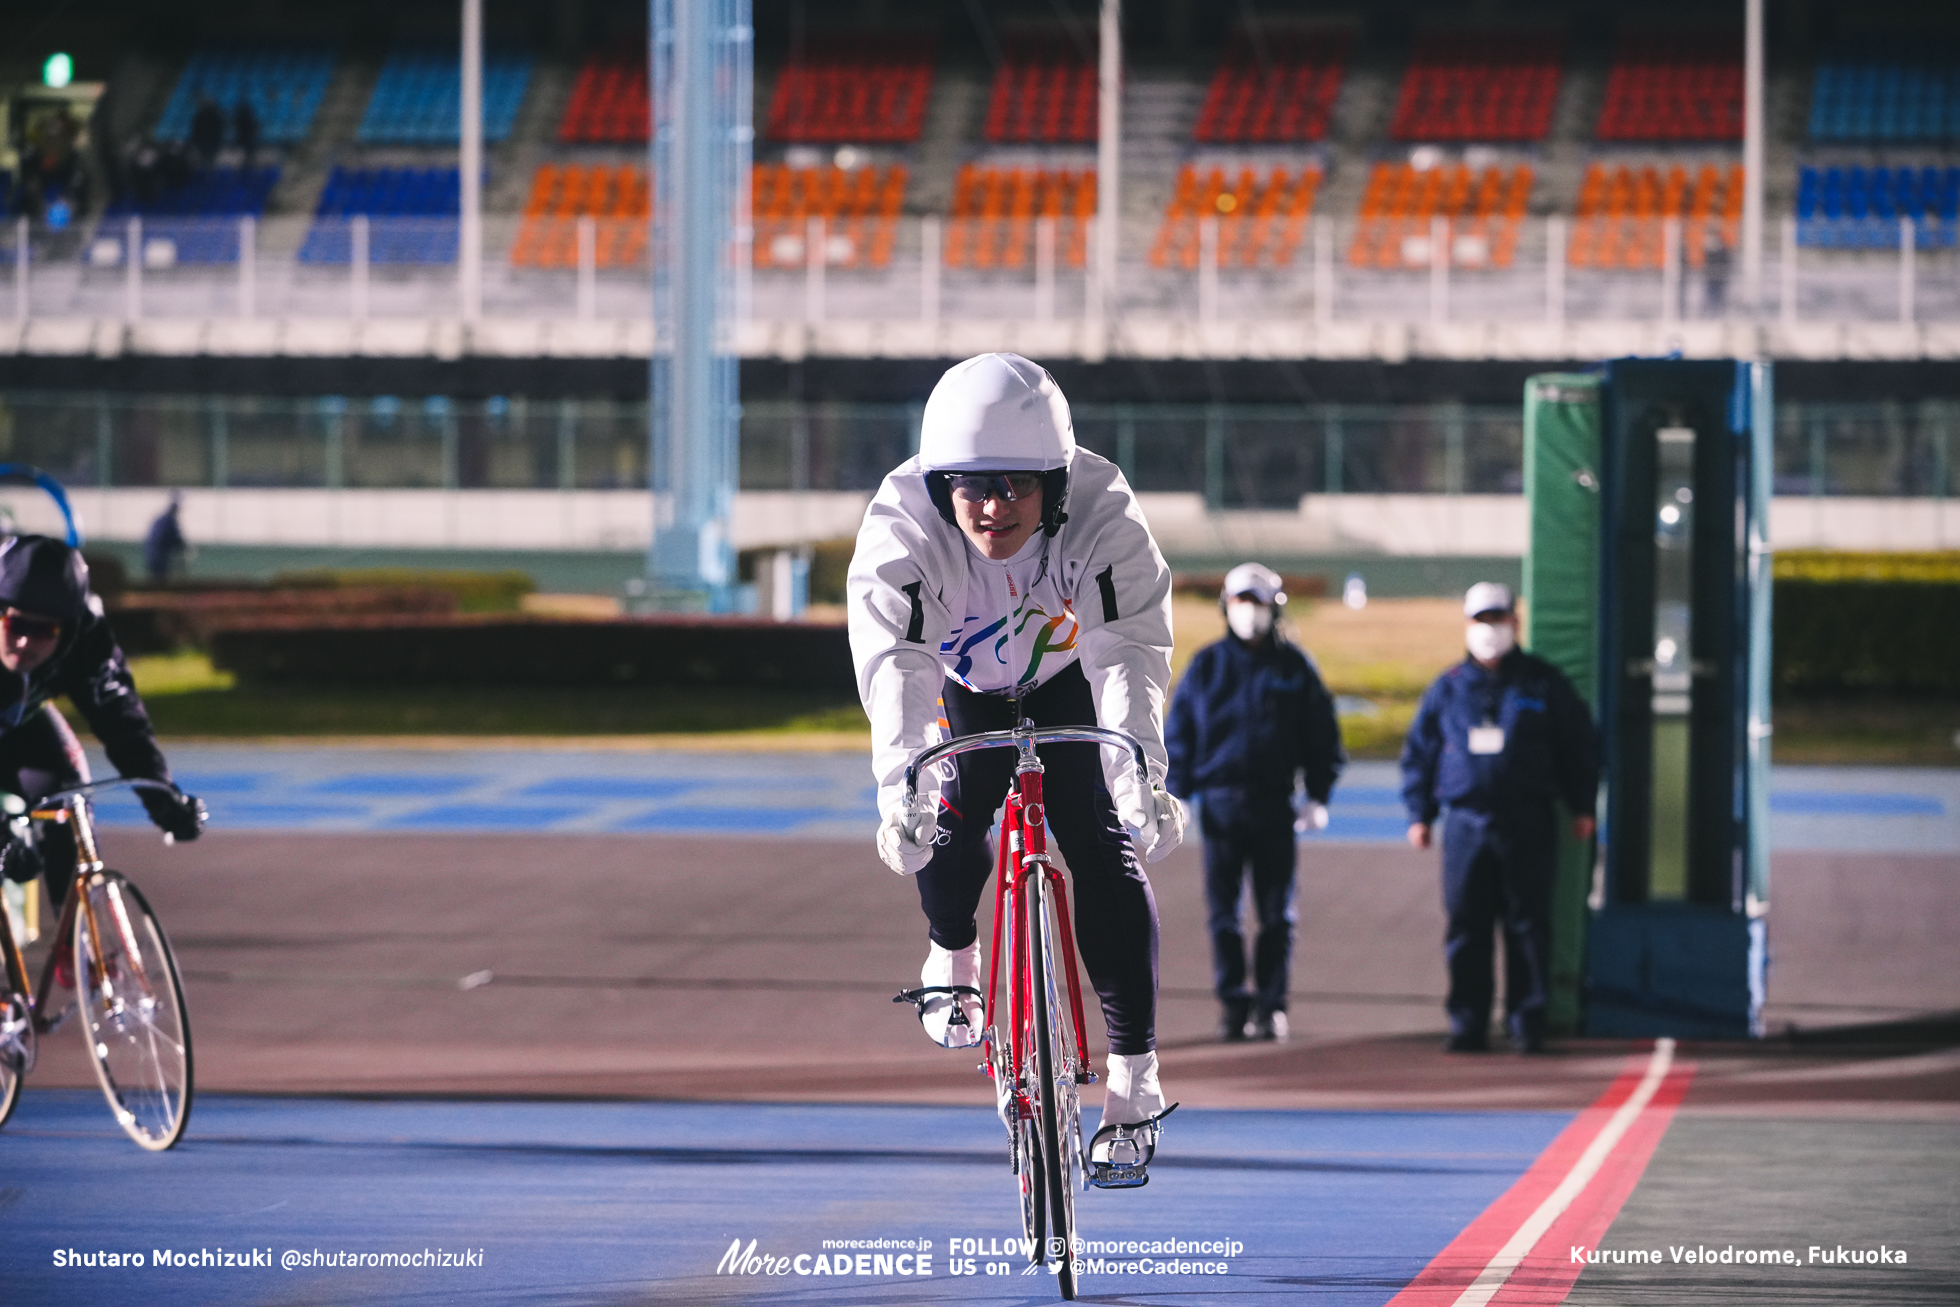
(1003, 562)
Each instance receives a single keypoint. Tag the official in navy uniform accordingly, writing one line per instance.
(1497, 739)
(1252, 718)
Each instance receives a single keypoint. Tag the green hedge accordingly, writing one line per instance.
(411, 650)
(476, 592)
(1856, 635)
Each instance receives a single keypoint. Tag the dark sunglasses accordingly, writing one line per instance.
(31, 628)
(978, 487)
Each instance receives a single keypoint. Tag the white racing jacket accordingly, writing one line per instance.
(925, 605)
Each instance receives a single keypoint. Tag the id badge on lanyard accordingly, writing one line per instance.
(1487, 739)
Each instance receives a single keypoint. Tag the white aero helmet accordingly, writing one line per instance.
(998, 413)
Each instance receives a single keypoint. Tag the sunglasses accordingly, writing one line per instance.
(31, 628)
(978, 487)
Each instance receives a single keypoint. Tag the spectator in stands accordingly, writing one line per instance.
(207, 131)
(1250, 720)
(1497, 739)
(1715, 259)
(245, 131)
(164, 547)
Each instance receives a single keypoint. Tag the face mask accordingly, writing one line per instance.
(1248, 621)
(1489, 641)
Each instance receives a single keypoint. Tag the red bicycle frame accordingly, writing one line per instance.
(1022, 855)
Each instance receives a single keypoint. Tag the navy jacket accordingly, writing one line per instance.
(1549, 747)
(1248, 717)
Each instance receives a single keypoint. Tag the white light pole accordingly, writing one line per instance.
(470, 230)
(1752, 157)
(1109, 149)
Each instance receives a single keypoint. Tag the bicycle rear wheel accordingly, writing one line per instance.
(16, 1024)
(133, 1014)
(1052, 1111)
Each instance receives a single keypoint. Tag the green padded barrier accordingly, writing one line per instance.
(1561, 595)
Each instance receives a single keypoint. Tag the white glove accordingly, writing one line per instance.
(1155, 820)
(1312, 816)
(906, 834)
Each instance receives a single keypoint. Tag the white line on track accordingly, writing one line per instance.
(1492, 1277)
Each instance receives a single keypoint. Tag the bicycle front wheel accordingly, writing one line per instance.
(16, 1023)
(133, 1014)
(1053, 1110)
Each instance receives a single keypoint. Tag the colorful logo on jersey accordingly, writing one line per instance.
(1053, 635)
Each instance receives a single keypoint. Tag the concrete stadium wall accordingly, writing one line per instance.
(621, 520)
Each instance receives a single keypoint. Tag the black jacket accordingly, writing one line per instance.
(1549, 752)
(1249, 718)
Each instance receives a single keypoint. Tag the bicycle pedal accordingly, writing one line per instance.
(1118, 1175)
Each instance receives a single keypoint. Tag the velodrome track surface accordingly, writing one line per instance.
(752, 974)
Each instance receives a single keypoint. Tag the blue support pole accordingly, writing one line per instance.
(702, 61)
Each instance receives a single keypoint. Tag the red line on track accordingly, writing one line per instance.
(1482, 1265)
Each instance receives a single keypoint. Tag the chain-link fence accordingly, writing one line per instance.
(1261, 456)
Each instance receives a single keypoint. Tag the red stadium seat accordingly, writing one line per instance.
(1279, 88)
(1483, 86)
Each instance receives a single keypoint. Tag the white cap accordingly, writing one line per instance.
(996, 413)
(1487, 596)
(1254, 579)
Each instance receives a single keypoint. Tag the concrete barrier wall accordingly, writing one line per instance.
(1337, 525)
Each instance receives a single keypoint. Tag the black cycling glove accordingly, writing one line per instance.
(183, 818)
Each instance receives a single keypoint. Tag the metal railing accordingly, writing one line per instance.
(930, 269)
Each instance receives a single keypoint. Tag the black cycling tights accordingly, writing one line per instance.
(38, 757)
(1115, 913)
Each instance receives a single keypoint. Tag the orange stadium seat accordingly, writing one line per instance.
(859, 208)
(1260, 223)
(1485, 210)
(1622, 211)
(561, 194)
(995, 210)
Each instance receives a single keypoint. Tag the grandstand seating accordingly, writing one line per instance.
(1279, 89)
(561, 194)
(856, 88)
(610, 100)
(418, 99)
(1486, 211)
(1259, 223)
(1485, 86)
(1860, 208)
(197, 221)
(860, 209)
(1674, 87)
(414, 211)
(1887, 95)
(285, 85)
(994, 213)
(1621, 215)
(1044, 91)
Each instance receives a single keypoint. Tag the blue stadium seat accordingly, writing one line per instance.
(1887, 93)
(413, 213)
(284, 83)
(418, 99)
(199, 220)
(1860, 208)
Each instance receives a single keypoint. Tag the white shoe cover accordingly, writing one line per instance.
(1133, 1095)
(952, 968)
